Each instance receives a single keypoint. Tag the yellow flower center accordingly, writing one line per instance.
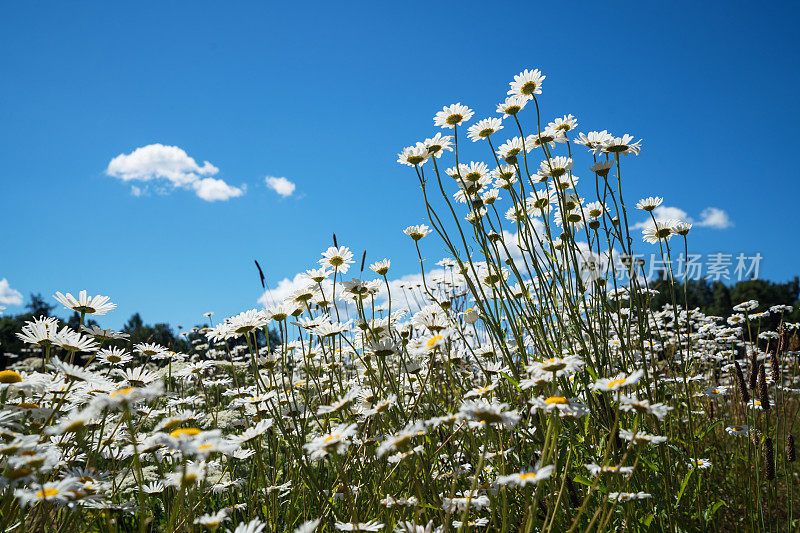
(46, 493)
(612, 384)
(433, 340)
(528, 475)
(191, 432)
(558, 400)
(9, 376)
(126, 390)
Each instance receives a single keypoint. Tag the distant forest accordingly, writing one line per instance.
(712, 298)
(137, 330)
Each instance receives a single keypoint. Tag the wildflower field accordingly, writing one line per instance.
(519, 386)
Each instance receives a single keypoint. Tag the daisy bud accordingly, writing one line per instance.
(773, 361)
(753, 371)
(763, 392)
(769, 459)
(741, 383)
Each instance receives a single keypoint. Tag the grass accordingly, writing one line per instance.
(526, 384)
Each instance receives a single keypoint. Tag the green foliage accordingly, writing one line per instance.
(138, 330)
(717, 299)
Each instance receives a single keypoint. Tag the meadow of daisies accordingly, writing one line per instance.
(525, 383)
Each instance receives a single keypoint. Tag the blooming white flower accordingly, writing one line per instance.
(414, 155)
(622, 145)
(491, 413)
(453, 115)
(337, 441)
(253, 526)
(661, 230)
(512, 105)
(702, 464)
(619, 381)
(484, 128)
(417, 232)
(358, 526)
(337, 258)
(85, 304)
(628, 496)
(649, 203)
(526, 478)
(527, 83)
(465, 500)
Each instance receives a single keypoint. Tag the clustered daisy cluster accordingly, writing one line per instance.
(518, 386)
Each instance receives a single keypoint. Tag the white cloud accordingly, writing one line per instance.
(281, 186)
(212, 189)
(284, 289)
(172, 164)
(710, 217)
(664, 212)
(713, 217)
(399, 288)
(9, 296)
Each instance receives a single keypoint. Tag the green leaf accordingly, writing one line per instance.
(709, 428)
(683, 486)
(512, 381)
(648, 463)
(709, 513)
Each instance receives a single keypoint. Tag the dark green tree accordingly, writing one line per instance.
(720, 304)
(38, 306)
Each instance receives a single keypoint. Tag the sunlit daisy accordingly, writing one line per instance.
(453, 115)
(484, 128)
(90, 305)
(527, 83)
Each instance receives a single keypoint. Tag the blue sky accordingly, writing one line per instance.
(325, 95)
